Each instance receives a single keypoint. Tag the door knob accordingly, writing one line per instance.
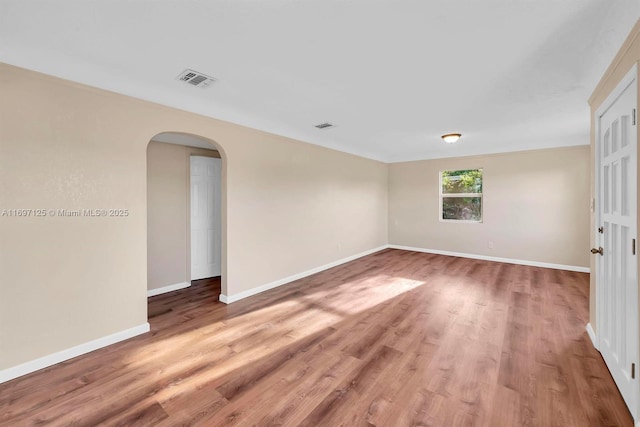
(597, 251)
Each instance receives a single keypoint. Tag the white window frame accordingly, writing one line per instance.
(460, 195)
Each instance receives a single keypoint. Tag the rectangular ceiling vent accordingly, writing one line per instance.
(195, 78)
(325, 125)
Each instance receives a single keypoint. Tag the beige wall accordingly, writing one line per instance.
(287, 207)
(627, 57)
(536, 206)
(168, 261)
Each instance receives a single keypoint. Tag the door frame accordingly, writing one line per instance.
(623, 84)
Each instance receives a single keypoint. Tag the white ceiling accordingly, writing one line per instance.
(393, 75)
(183, 139)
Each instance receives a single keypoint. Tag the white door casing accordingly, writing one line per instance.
(206, 218)
(616, 214)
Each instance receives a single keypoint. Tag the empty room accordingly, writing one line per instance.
(319, 213)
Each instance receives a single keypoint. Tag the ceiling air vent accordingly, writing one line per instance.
(196, 79)
(325, 125)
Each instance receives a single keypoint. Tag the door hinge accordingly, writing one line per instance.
(601, 230)
(633, 246)
(633, 371)
(633, 117)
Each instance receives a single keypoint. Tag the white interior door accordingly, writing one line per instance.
(206, 222)
(616, 265)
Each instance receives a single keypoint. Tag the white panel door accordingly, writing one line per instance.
(617, 271)
(206, 222)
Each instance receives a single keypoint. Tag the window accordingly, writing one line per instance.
(461, 195)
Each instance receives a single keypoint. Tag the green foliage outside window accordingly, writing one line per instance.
(467, 207)
(462, 181)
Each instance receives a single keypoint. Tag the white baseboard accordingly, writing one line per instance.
(592, 335)
(70, 353)
(228, 299)
(169, 288)
(496, 259)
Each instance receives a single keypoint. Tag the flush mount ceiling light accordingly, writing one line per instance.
(450, 138)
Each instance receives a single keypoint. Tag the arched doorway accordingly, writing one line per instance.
(170, 211)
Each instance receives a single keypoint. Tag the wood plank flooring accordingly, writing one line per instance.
(392, 339)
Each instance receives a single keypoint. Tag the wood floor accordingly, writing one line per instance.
(392, 339)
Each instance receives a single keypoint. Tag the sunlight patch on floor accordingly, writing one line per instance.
(248, 339)
(365, 294)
